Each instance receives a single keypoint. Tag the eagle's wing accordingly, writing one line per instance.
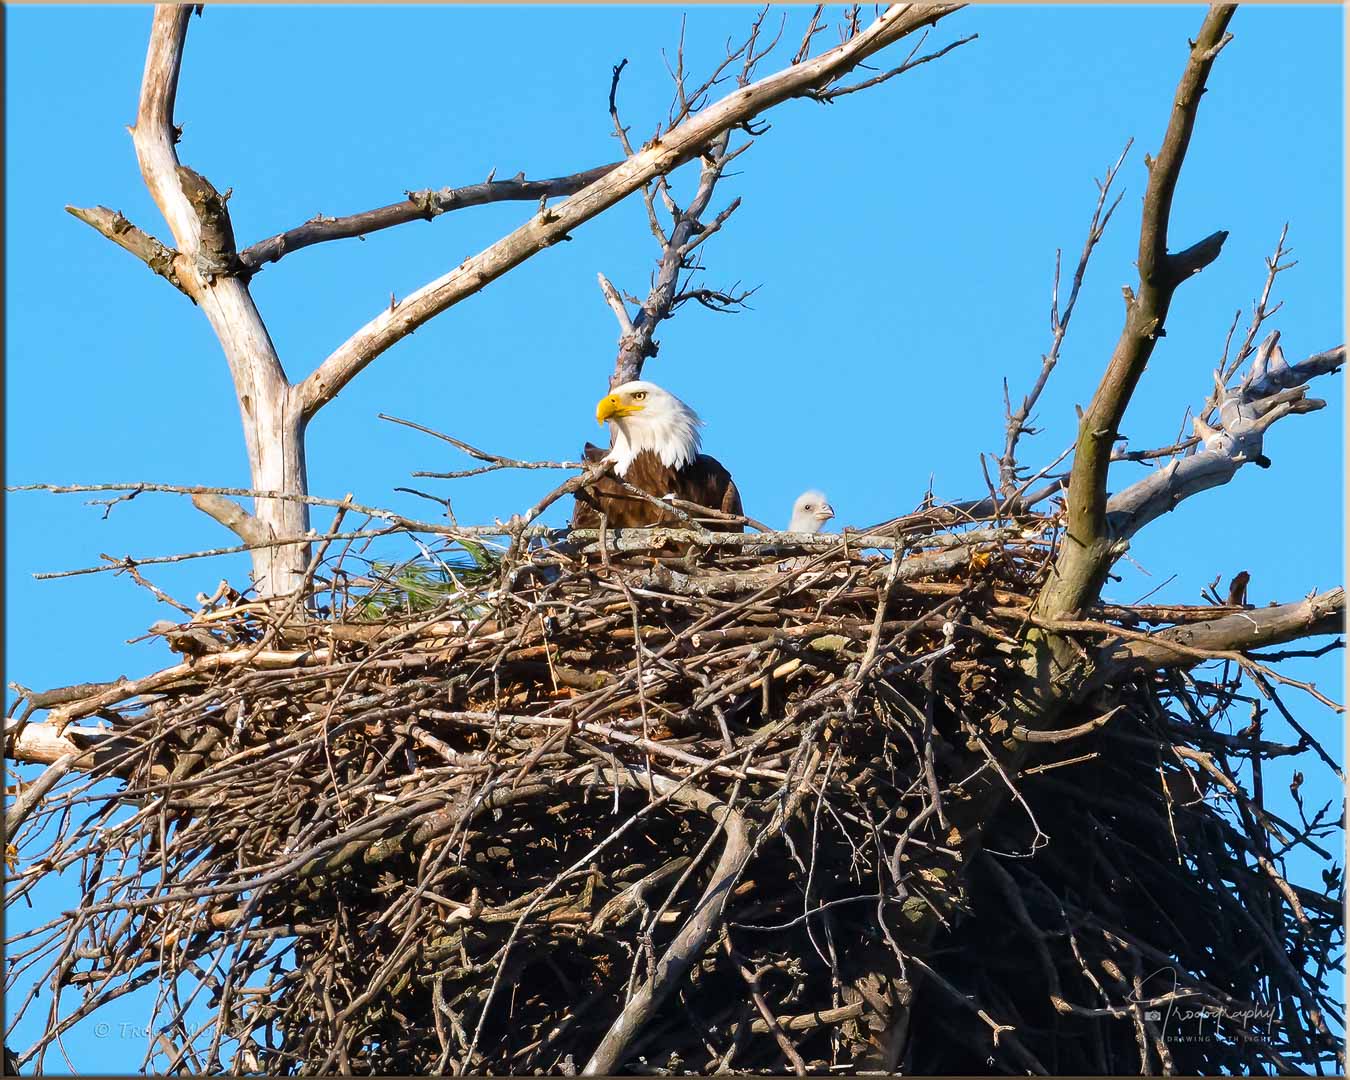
(585, 506)
(731, 500)
(711, 485)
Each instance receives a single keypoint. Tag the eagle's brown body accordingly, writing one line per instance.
(703, 481)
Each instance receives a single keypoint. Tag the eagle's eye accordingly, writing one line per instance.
(641, 395)
(807, 506)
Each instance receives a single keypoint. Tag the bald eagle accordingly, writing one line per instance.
(810, 512)
(654, 444)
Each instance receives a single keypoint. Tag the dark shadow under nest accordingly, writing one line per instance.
(474, 829)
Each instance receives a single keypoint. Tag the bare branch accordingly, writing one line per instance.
(812, 29)
(234, 517)
(1260, 313)
(112, 224)
(1323, 613)
(826, 96)
(689, 942)
(659, 157)
(44, 744)
(1087, 552)
(1059, 324)
(716, 299)
(616, 305)
(425, 205)
(686, 232)
(196, 213)
(1246, 413)
(27, 799)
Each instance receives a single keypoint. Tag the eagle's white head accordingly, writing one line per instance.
(810, 512)
(642, 416)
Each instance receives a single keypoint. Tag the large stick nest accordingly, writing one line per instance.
(661, 808)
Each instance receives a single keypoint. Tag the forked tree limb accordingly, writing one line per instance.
(426, 205)
(1087, 552)
(196, 214)
(1265, 396)
(637, 340)
(685, 141)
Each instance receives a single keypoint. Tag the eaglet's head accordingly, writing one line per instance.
(810, 512)
(642, 416)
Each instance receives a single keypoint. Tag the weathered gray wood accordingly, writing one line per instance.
(274, 427)
(1246, 413)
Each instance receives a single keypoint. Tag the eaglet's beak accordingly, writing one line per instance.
(825, 512)
(610, 407)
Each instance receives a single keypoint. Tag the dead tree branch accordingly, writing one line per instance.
(425, 205)
(690, 941)
(685, 141)
(1059, 326)
(827, 96)
(114, 225)
(198, 217)
(1271, 390)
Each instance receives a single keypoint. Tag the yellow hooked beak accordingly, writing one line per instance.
(610, 407)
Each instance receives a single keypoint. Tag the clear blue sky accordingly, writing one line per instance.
(904, 240)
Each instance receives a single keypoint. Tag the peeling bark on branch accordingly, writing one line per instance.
(46, 744)
(215, 252)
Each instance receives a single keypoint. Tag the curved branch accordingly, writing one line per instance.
(554, 224)
(689, 942)
(27, 800)
(1087, 552)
